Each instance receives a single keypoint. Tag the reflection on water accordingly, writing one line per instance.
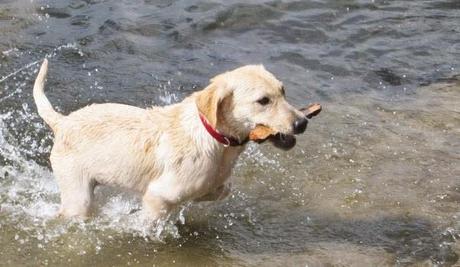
(374, 181)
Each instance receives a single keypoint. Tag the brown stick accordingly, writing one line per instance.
(312, 110)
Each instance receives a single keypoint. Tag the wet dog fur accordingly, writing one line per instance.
(163, 153)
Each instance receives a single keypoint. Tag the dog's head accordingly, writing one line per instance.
(238, 101)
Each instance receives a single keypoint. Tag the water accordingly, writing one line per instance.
(373, 182)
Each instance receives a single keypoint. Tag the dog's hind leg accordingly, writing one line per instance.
(77, 194)
(76, 199)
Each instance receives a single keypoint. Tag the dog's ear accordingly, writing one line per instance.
(209, 99)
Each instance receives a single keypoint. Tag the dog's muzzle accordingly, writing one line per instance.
(283, 141)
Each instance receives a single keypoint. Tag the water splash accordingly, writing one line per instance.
(4, 78)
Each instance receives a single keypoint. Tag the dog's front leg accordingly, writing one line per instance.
(219, 193)
(157, 207)
(159, 199)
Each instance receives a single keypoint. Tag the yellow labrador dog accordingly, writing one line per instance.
(172, 154)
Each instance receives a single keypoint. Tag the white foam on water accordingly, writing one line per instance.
(26, 189)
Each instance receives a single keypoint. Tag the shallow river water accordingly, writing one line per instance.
(375, 180)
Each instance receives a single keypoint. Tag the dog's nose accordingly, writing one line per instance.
(300, 125)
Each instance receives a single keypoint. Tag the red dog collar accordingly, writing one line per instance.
(223, 139)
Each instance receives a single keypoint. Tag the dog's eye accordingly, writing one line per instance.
(264, 101)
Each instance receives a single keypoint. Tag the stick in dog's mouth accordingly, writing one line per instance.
(284, 141)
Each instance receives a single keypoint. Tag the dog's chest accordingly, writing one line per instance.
(204, 174)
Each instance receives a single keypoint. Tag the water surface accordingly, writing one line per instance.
(373, 182)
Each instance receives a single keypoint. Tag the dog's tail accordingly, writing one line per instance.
(45, 110)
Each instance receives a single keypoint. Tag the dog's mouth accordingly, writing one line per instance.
(261, 133)
(283, 141)
(280, 140)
